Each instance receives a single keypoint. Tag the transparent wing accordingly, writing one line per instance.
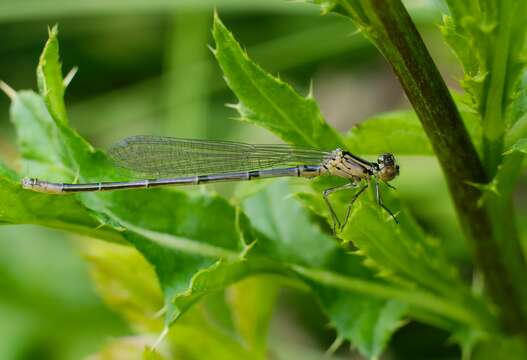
(158, 156)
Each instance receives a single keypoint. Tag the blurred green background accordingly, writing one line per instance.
(144, 68)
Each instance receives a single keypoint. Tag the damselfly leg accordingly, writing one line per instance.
(348, 211)
(379, 200)
(326, 193)
(334, 217)
(390, 185)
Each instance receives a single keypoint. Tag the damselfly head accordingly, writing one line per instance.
(388, 168)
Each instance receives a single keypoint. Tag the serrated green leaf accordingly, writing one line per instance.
(49, 77)
(411, 256)
(367, 321)
(268, 101)
(403, 255)
(293, 238)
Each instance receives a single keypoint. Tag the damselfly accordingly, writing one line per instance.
(172, 161)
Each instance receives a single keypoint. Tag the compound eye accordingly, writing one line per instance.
(389, 159)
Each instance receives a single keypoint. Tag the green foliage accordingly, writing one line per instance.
(205, 272)
(188, 261)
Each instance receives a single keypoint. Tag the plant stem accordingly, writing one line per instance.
(493, 124)
(397, 38)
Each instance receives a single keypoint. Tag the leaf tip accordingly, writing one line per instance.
(216, 20)
(53, 31)
(212, 50)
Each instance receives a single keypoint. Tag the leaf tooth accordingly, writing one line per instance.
(213, 50)
(237, 106)
(310, 93)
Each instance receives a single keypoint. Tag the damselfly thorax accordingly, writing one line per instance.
(344, 164)
(163, 161)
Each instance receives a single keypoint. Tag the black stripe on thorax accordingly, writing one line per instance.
(357, 159)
